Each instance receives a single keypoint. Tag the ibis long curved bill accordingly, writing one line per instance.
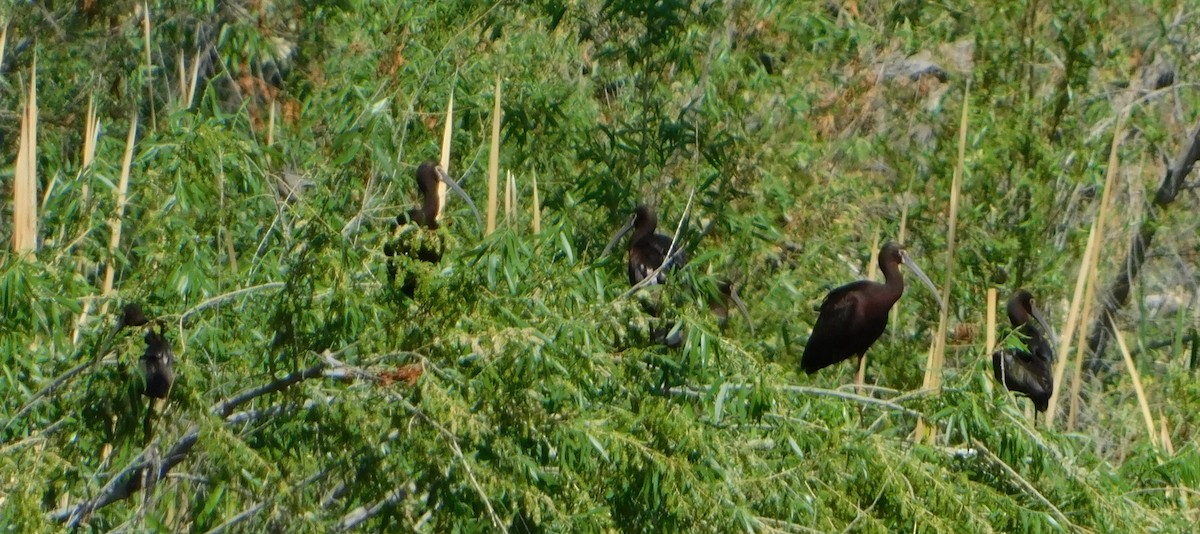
(446, 179)
(612, 242)
(912, 266)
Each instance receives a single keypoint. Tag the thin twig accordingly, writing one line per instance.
(38, 436)
(226, 407)
(221, 299)
(102, 348)
(358, 515)
(803, 390)
(1024, 484)
(258, 507)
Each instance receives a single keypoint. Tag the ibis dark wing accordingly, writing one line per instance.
(1024, 373)
(646, 255)
(1041, 349)
(831, 340)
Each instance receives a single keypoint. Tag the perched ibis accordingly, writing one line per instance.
(132, 315)
(1027, 372)
(647, 250)
(853, 316)
(157, 365)
(433, 200)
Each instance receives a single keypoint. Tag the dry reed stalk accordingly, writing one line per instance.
(991, 322)
(1165, 435)
(149, 62)
(1081, 349)
(119, 212)
(447, 134)
(190, 97)
(91, 137)
(91, 134)
(507, 197)
(3, 40)
(182, 62)
(937, 357)
(1069, 327)
(1089, 293)
(536, 208)
(271, 123)
(494, 163)
(1137, 385)
(901, 237)
(25, 223)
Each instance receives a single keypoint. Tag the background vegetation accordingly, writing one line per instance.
(515, 386)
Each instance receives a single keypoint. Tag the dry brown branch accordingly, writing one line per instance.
(226, 407)
(358, 515)
(142, 473)
(1117, 294)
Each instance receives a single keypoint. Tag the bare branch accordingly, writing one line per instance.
(1118, 291)
(452, 440)
(363, 513)
(221, 299)
(803, 390)
(143, 473)
(226, 407)
(102, 348)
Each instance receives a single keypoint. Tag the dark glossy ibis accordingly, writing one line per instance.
(1028, 372)
(131, 315)
(433, 200)
(647, 250)
(853, 316)
(157, 365)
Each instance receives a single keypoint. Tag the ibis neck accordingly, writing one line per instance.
(1030, 330)
(892, 279)
(431, 207)
(642, 231)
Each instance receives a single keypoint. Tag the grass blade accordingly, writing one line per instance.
(536, 208)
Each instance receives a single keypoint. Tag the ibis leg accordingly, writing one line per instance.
(861, 375)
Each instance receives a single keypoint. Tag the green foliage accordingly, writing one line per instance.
(539, 398)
